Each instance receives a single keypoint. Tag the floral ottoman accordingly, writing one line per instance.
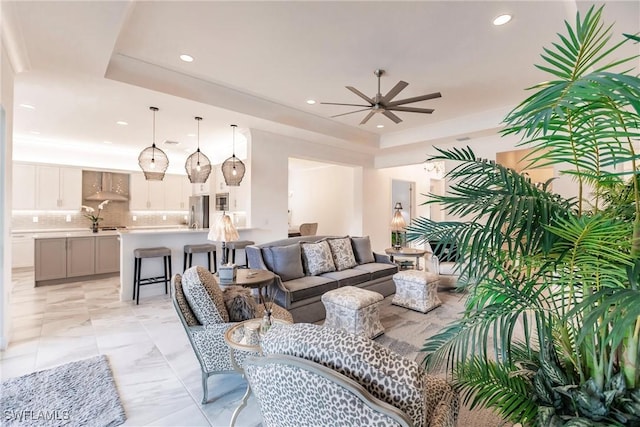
(417, 290)
(354, 310)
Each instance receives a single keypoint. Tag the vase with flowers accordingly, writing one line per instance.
(93, 215)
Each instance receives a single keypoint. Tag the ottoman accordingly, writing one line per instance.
(417, 290)
(354, 310)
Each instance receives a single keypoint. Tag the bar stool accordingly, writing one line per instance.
(205, 248)
(238, 244)
(138, 281)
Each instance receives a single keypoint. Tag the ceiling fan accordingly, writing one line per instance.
(384, 104)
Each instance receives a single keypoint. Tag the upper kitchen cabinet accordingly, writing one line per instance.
(24, 186)
(58, 188)
(145, 195)
(40, 187)
(177, 189)
(170, 194)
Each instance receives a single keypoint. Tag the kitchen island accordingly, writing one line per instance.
(172, 238)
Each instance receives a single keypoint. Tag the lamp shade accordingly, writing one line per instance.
(233, 169)
(224, 230)
(198, 166)
(152, 160)
(397, 222)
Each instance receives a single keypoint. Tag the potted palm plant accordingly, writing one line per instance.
(550, 332)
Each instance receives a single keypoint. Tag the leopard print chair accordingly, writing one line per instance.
(206, 320)
(312, 375)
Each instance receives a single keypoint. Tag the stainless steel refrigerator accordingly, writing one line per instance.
(199, 212)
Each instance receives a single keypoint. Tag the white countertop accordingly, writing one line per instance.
(83, 233)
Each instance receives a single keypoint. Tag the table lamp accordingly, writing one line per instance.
(224, 231)
(397, 224)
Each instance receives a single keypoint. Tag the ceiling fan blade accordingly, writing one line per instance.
(351, 105)
(412, 109)
(351, 112)
(367, 117)
(415, 99)
(395, 90)
(360, 94)
(392, 116)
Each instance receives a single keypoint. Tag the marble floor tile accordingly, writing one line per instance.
(155, 369)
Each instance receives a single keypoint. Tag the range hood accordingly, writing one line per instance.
(106, 191)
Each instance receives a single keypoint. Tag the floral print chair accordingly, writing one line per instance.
(317, 376)
(199, 302)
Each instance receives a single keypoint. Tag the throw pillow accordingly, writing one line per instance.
(362, 249)
(342, 253)
(317, 258)
(204, 296)
(240, 303)
(287, 261)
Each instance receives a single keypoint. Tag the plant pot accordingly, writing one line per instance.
(94, 227)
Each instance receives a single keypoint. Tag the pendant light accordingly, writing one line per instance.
(198, 165)
(152, 160)
(233, 169)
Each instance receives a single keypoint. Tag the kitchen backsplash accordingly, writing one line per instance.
(114, 214)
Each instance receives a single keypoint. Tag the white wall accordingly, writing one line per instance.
(324, 195)
(269, 157)
(6, 172)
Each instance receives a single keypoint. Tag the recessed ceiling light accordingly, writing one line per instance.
(191, 134)
(311, 101)
(28, 106)
(380, 126)
(35, 132)
(502, 19)
(187, 150)
(186, 58)
(106, 142)
(122, 123)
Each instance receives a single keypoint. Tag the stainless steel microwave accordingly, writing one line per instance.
(222, 201)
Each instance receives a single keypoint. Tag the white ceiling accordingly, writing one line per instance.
(86, 64)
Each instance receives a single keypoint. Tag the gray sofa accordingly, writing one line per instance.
(299, 286)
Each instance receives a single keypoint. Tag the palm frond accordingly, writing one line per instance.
(488, 384)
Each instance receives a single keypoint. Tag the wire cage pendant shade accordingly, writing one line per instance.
(152, 160)
(233, 169)
(198, 166)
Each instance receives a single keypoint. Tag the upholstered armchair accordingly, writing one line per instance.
(205, 318)
(312, 375)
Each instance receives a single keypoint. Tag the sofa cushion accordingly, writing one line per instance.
(350, 277)
(378, 269)
(309, 286)
(317, 258)
(362, 249)
(383, 373)
(285, 261)
(204, 296)
(342, 253)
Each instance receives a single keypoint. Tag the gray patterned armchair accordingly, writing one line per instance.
(312, 375)
(205, 319)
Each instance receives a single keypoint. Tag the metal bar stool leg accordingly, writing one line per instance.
(135, 276)
(138, 281)
(184, 262)
(215, 262)
(165, 261)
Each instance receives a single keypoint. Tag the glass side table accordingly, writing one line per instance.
(245, 336)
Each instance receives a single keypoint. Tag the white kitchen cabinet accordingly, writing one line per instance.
(145, 195)
(170, 194)
(58, 188)
(177, 189)
(22, 249)
(24, 186)
(203, 189)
